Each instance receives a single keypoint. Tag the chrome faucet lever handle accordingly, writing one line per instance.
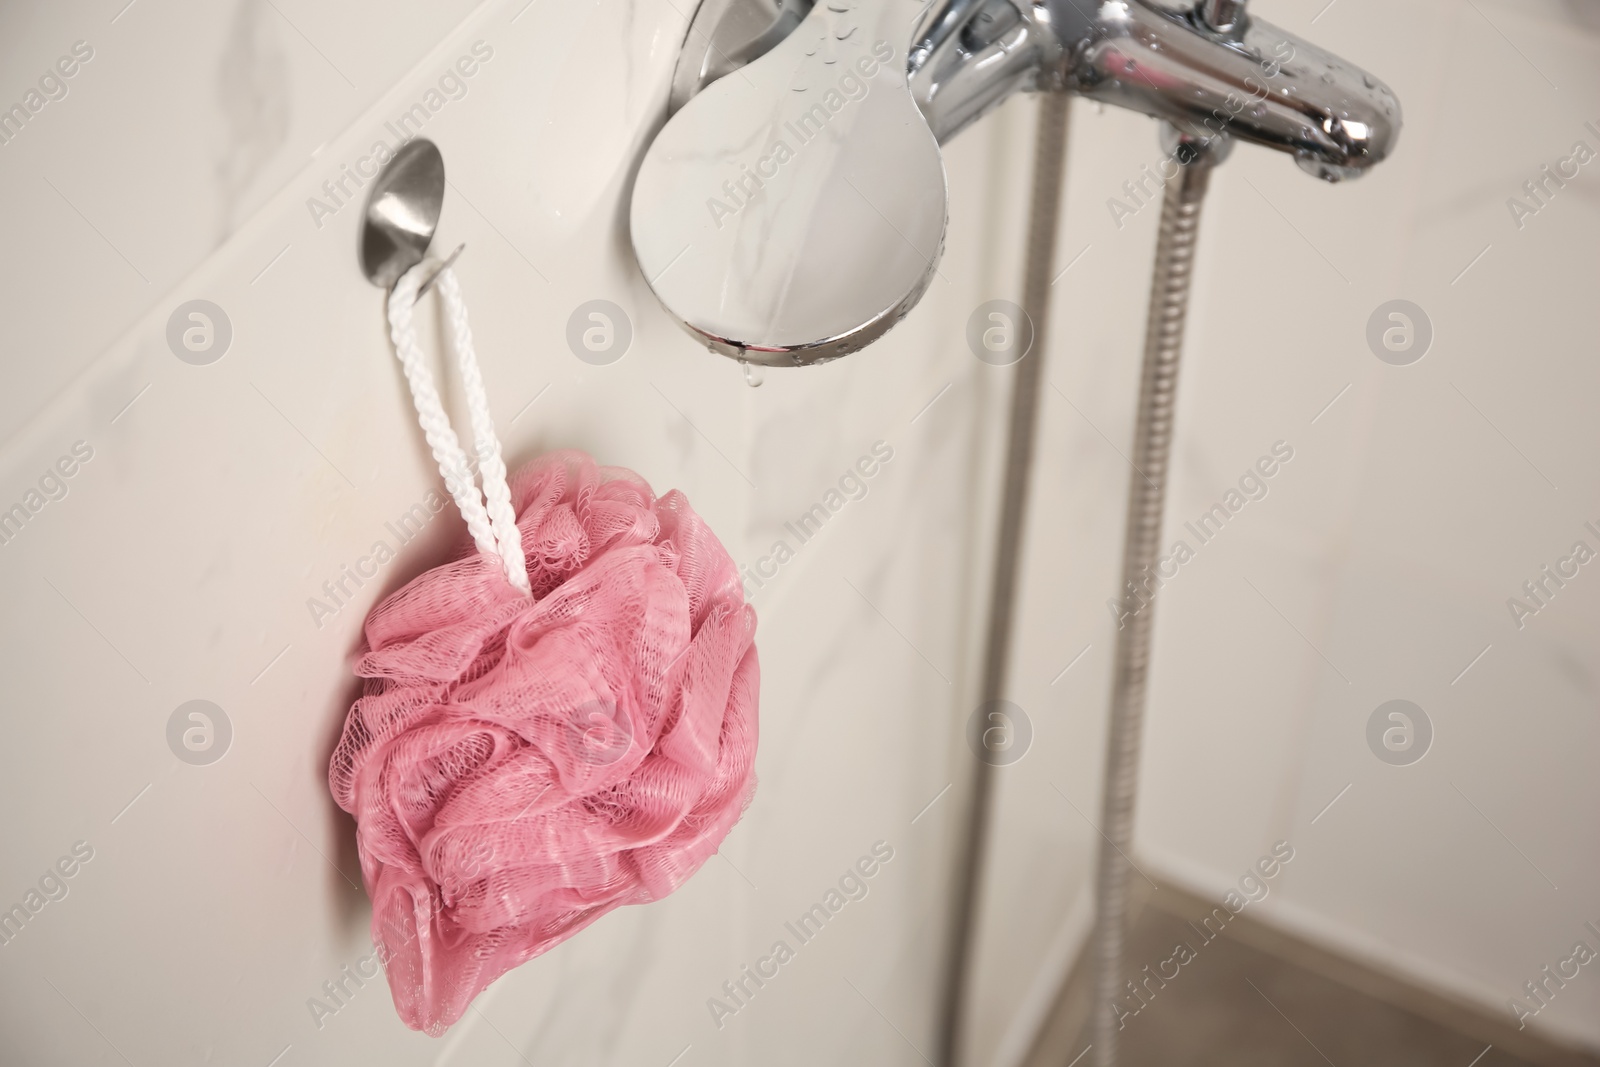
(794, 210)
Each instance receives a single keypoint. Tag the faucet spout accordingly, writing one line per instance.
(1257, 83)
(1208, 68)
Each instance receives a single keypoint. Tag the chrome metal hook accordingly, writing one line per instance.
(401, 215)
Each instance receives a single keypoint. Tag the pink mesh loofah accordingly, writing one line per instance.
(518, 767)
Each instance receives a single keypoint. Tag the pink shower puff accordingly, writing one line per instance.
(519, 767)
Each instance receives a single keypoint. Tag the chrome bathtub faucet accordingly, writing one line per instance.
(793, 208)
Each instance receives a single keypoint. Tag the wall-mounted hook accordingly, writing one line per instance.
(402, 214)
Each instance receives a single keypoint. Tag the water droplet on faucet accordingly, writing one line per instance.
(753, 375)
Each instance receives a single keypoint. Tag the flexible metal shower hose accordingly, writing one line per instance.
(1169, 305)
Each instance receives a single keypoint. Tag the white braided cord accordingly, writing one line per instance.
(486, 444)
(493, 528)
